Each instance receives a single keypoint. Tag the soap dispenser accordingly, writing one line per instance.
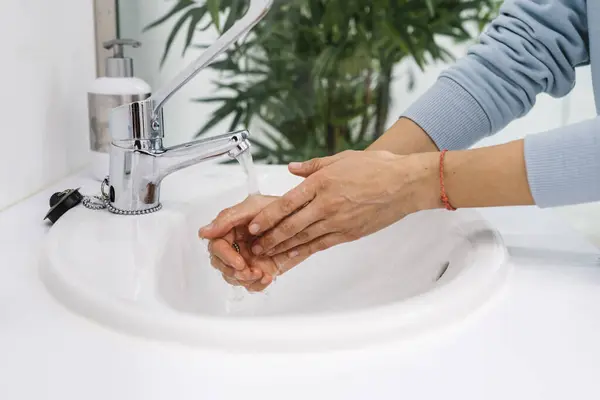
(117, 88)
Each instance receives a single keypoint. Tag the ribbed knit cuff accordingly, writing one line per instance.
(563, 165)
(450, 115)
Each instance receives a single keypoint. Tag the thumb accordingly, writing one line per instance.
(309, 167)
(240, 214)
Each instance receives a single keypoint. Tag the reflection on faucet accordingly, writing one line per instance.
(138, 159)
(136, 171)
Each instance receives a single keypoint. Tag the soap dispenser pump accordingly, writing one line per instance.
(117, 88)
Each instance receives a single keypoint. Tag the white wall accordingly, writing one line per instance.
(47, 64)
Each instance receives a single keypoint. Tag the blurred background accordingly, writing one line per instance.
(315, 77)
(318, 76)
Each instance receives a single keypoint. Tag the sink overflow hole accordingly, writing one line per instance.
(443, 270)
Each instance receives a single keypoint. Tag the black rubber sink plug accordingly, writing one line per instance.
(61, 202)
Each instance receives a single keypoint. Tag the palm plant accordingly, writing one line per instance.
(317, 74)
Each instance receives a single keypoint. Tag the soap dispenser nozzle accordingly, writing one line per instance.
(118, 44)
(118, 65)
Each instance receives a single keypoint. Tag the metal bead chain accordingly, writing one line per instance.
(136, 212)
(94, 202)
(102, 202)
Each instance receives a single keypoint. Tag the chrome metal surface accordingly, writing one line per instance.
(118, 65)
(256, 12)
(138, 159)
(138, 167)
(100, 107)
(101, 202)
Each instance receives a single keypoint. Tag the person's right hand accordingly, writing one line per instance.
(255, 273)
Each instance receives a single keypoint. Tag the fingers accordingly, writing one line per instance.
(266, 265)
(232, 281)
(282, 263)
(245, 275)
(230, 276)
(302, 252)
(293, 226)
(289, 227)
(226, 253)
(307, 235)
(288, 260)
(219, 265)
(281, 208)
(240, 214)
(309, 167)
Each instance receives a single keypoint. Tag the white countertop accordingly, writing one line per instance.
(537, 340)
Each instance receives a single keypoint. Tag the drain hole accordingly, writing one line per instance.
(443, 270)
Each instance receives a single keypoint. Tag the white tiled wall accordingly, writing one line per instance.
(47, 63)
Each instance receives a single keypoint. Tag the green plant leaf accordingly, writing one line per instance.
(213, 9)
(430, 7)
(211, 99)
(197, 16)
(176, 28)
(235, 11)
(221, 113)
(239, 113)
(318, 73)
(179, 6)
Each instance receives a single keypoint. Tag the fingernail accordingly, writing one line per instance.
(240, 275)
(295, 165)
(293, 254)
(256, 273)
(207, 227)
(257, 250)
(238, 266)
(254, 228)
(266, 279)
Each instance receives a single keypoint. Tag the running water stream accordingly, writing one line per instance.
(239, 300)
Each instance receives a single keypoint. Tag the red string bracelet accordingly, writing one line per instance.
(443, 195)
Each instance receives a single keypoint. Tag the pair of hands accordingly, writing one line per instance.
(343, 198)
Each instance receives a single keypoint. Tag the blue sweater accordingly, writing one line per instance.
(533, 46)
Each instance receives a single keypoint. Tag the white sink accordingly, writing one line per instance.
(150, 275)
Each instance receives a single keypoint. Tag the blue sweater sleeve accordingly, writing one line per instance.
(530, 48)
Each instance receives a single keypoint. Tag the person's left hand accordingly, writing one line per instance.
(343, 198)
(239, 267)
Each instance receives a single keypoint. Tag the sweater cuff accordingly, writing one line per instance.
(449, 115)
(563, 165)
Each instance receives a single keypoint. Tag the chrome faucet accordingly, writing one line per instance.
(139, 161)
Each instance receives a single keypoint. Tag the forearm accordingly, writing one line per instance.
(487, 177)
(403, 138)
(550, 169)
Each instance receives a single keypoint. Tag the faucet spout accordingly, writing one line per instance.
(138, 167)
(174, 158)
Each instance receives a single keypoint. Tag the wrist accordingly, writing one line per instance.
(403, 138)
(423, 175)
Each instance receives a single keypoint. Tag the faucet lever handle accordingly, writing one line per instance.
(256, 12)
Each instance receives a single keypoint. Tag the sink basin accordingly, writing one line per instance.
(150, 275)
